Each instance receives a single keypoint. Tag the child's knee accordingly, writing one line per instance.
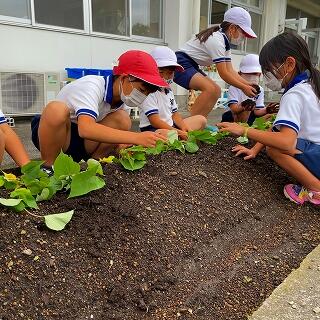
(213, 90)
(55, 113)
(202, 121)
(272, 152)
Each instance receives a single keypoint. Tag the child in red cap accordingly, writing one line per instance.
(87, 118)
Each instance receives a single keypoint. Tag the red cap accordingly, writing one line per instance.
(140, 65)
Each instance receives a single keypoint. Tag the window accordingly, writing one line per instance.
(60, 13)
(219, 7)
(16, 9)
(109, 16)
(147, 18)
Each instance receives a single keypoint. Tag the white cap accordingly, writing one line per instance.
(165, 57)
(250, 64)
(241, 18)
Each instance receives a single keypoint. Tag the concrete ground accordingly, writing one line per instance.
(22, 128)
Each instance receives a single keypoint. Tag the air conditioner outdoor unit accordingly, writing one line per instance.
(27, 93)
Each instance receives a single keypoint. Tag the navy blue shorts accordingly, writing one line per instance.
(228, 117)
(190, 69)
(310, 156)
(76, 148)
(151, 128)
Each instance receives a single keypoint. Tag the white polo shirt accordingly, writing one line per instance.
(216, 49)
(161, 102)
(2, 118)
(89, 95)
(236, 95)
(300, 110)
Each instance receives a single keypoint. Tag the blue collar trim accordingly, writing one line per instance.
(302, 77)
(109, 89)
(226, 40)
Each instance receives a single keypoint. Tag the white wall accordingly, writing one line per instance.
(42, 50)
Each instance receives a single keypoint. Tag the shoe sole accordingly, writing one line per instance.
(288, 197)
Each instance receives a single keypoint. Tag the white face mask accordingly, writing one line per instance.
(272, 82)
(239, 40)
(134, 99)
(251, 78)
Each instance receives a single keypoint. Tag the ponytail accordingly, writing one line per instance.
(203, 35)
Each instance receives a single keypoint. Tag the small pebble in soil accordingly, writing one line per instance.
(27, 252)
(316, 310)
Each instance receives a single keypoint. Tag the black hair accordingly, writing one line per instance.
(285, 45)
(203, 35)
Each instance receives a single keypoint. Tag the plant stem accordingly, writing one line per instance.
(32, 214)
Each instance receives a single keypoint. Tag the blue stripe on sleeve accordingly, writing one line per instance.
(152, 111)
(219, 60)
(232, 101)
(87, 112)
(287, 123)
(3, 120)
(174, 110)
(227, 59)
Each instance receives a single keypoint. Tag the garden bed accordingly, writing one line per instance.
(194, 236)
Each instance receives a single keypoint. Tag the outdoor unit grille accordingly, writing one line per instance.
(26, 93)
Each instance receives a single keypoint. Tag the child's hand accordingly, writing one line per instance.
(241, 150)
(185, 127)
(249, 91)
(231, 127)
(248, 105)
(149, 139)
(272, 107)
(182, 134)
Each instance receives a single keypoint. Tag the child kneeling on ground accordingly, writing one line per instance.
(11, 143)
(294, 143)
(88, 120)
(241, 108)
(159, 110)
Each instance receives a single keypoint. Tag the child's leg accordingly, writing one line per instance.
(294, 168)
(117, 120)
(210, 93)
(54, 131)
(2, 145)
(196, 122)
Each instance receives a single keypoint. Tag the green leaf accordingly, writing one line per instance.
(44, 195)
(95, 165)
(139, 156)
(58, 221)
(136, 149)
(26, 196)
(177, 145)
(191, 147)
(243, 140)
(132, 165)
(160, 147)
(65, 166)
(20, 207)
(2, 181)
(32, 170)
(9, 202)
(172, 136)
(85, 182)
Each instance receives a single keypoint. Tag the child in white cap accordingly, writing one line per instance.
(159, 110)
(212, 46)
(241, 108)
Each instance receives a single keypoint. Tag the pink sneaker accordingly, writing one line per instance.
(314, 197)
(296, 193)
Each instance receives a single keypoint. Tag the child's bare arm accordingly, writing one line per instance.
(91, 130)
(13, 145)
(157, 123)
(179, 122)
(260, 112)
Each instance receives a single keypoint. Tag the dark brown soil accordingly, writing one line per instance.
(205, 236)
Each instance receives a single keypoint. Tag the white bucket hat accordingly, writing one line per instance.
(241, 18)
(165, 57)
(250, 64)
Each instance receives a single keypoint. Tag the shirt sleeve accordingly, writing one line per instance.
(290, 111)
(260, 99)
(2, 118)
(233, 95)
(150, 105)
(85, 98)
(216, 48)
(173, 104)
